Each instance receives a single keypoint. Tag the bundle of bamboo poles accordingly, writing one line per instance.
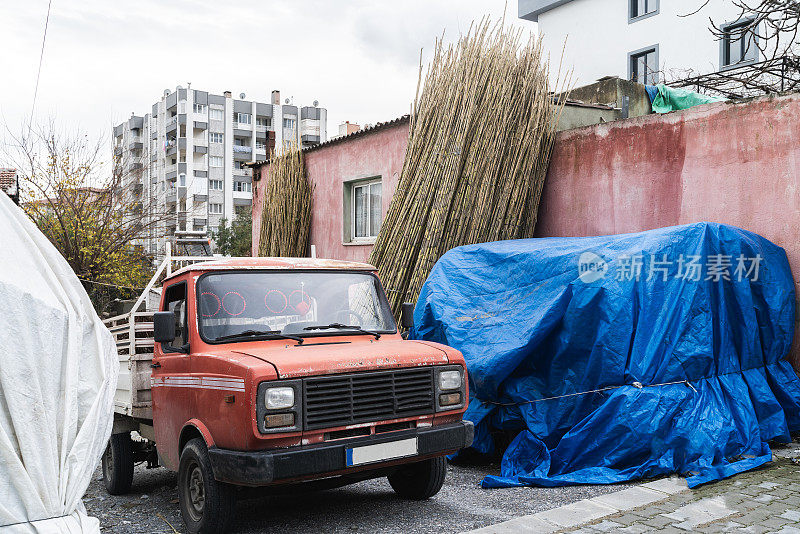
(286, 218)
(479, 146)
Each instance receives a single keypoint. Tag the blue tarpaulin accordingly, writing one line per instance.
(621, 357)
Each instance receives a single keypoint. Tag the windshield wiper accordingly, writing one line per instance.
(340, 326)
(255, 333)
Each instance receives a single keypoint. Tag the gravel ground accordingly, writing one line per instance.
(370, 506)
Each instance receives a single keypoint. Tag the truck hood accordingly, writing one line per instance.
(331, 355)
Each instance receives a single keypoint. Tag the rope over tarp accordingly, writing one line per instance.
(555, 318)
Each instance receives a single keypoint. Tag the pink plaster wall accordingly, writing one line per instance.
(737, 164)
(376, 153)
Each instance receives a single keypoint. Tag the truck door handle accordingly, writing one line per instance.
(155, 365)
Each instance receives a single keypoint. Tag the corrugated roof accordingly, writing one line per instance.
(363, 131)
(8, 178)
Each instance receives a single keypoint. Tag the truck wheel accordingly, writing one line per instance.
(118, 464)
(207, 506)
(421, 480)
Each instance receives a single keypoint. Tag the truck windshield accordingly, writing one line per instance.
(289, 302)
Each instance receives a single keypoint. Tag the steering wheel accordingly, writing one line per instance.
(343, 316)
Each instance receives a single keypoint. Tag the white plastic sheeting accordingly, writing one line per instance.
(58, 373)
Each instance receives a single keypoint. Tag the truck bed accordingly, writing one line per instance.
(133, 396)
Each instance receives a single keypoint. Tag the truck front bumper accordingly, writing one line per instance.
(261, 468)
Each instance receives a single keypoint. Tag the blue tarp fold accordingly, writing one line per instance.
(621, 357)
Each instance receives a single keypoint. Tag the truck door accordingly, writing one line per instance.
(171, 379)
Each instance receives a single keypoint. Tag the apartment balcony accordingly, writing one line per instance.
(154, 157)
(200, 149)
(171, 196)
(135, 167)
(137, 189)
(117, 150)
(200, 222)
(201, 174)
(154, 135)
(200, 125)
(241, 172)
(242, 153)
(309, 139)
(135, 143)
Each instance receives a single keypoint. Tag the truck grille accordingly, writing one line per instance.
(364, 397)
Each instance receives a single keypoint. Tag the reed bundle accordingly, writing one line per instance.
(479, 145)
(286, 218)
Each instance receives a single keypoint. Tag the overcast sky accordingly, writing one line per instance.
(105, 59)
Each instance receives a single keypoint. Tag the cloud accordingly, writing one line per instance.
(104, 60)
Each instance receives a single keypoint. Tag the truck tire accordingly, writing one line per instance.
(207, 506)
(118, 464)
(421, 480)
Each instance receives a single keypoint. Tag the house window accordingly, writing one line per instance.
(365, 214)
(288, 123)
(216, 114)
(215, 209)
(215, 161)
(215, 185)
(243, 187)
(738, 44)
(199, 108)
(643, 65)
(264, 121)
(640, 9)
(243, 118)
(215, 137)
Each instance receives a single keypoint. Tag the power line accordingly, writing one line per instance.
(39, 71)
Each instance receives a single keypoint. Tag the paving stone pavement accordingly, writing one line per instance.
(765, 500)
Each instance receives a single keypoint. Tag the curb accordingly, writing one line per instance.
(589, 510)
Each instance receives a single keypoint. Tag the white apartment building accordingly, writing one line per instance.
(642, 40)
(187, 156)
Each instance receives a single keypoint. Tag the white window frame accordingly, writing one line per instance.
(200, 108)
(216, 137)
(264, 121)
(212, 208)
(212, 159)
(213, 182)
(240, 116)
(216, 114)
(291, 123)
(356, 184)
(242, 187)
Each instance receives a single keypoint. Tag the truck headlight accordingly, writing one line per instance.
(279, 398)
(449, 380)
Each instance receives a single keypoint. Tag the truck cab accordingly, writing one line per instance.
(277, 371)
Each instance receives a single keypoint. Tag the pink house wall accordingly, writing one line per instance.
(373, 153)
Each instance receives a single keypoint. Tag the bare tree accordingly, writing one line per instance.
(89, 207)
(771, 26)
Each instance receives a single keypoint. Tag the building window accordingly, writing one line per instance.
(243, 118)
(215, 209)
(640, 9)
(288, 123)
(738, 44)
(216, 114)
(260, 145)
(215, 137)
(643, 65)
(182, 180)
(264, 121)
(365, 209)
(215, 185)
(216, 161)
(199, 108)
(243, 187)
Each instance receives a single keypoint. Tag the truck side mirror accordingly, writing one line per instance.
(164, 327)
(407, 315)
(164, 331)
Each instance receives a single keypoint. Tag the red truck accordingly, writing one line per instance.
(276, 371)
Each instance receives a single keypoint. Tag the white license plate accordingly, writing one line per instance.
(380, 452)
